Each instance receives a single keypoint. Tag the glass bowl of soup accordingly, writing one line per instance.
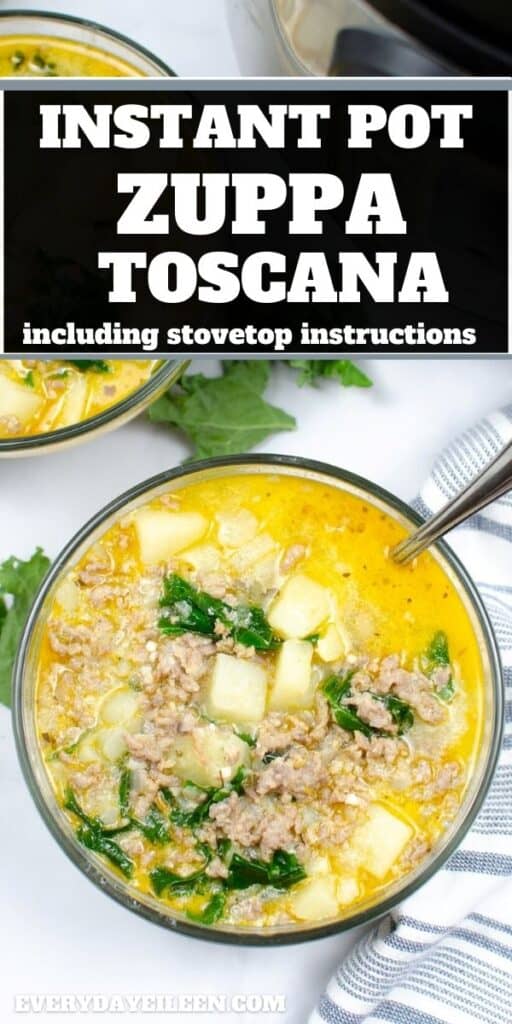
(42, 44)
(240, 718)
(46, 404)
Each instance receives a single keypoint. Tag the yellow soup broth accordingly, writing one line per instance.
(48, 57)
(37, 396)
(266, 721)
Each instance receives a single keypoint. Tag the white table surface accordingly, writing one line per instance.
(58, 933)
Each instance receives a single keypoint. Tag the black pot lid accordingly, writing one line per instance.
(363, 53)
(475, 35)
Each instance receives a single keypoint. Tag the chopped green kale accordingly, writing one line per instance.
(188, 610)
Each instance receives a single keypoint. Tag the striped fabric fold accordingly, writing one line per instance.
(445, 955)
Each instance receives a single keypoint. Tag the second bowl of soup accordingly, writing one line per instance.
(45, 45)
(46, 404)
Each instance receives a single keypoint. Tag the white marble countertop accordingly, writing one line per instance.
(59, 934)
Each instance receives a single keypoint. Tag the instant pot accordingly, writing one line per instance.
(441, 37)
(411, 38)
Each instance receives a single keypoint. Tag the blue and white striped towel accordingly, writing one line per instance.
(445, 955)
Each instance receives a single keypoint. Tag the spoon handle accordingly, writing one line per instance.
(491, 483)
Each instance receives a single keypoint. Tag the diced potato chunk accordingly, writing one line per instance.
(238, 690)
(118, 706)
(236, 528)
(300, 607)
(381, 839)
(111, 743)
(315, 899)
(330, 646)
(72, 408)
(104, 804)
(254, 552)
(318, 864)
(18, 400)
(68, 595)
(117, 716)
(202, 557)
(264, 573)
(209, 756)
(292, 687)
(162, 534)
(347, 891)
(87, 749)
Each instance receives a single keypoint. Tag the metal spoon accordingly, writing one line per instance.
(491, 483)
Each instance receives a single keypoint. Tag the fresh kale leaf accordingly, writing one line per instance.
(437, 655)
(192, 819)
(212, 912)
(37, 64)
(271, 755)
(189, 610)
(100, 842)
(223, 848)
(17, 60)
(19, 582)
(223, 415)
(167, 795)
(90, 365)
(337, 691)
(92, 834)
(438, 652)
(400, 711)
(348, 719)
(281, 872)
(446, 693)
(336, 688)
(344, 371)
(40, 66)
(239, 780)
(312, 639)
(213, 795)
(125, 783)
(154, 827)
(162, 878)
(247, 738)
